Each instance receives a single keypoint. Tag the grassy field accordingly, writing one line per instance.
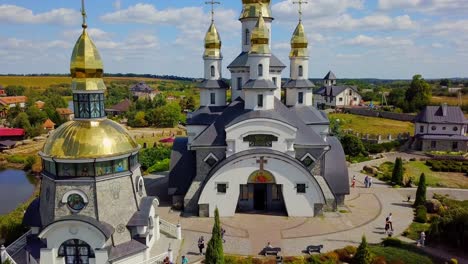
(373, 125)
(399, 255)
(437, 100)
(433, 178)
(44, 82)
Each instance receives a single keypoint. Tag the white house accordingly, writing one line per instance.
(331, 95)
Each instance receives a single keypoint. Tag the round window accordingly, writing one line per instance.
(433, 127)
(75, 202)
(455, 128)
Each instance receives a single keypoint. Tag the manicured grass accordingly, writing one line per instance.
(433, 178)
(415, 229)
(437, 100)
(399, 255)
(373, 125)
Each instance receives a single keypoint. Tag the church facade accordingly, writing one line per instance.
(268, 149)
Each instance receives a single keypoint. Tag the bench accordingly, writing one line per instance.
(311, 249)
(271, 251)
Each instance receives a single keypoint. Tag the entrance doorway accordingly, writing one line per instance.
(260, 196)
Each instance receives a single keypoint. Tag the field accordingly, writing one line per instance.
(44, 82)
(433, 178)
(373, 125)
(437, 100)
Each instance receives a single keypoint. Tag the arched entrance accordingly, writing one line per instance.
(261, 193)
(75, 251)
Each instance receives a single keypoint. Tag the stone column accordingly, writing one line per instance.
(3, 254)
(169, 254)
(179, 231)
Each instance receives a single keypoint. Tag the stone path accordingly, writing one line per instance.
(364, 213)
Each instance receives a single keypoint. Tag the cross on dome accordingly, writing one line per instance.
(300, 2)
(262, 161)
(212, 3)
(83, 13)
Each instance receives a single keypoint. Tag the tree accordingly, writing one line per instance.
(214, 250)
(15, 90)
(22, 121)
(363, 254)
(445, 82)
(138, 120)
(167, 116)
(397, 173)
(421, 191)
(418, 94)
(36, 116)
(352, 145)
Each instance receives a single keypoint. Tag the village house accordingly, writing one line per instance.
(440, 128)
(119, 108)
(48, 125)
(65, 113)
(143, 91)
(331, 95)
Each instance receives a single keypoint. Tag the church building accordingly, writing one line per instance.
(267, 148)
(92, 207)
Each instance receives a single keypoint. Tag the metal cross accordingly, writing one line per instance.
(212, 3)
(83, 13)
(300, 2)
(262, 161)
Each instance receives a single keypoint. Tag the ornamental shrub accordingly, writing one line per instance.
(421, 214)
(214, 250)
(397, 174)
(363, 253)
(421, 191)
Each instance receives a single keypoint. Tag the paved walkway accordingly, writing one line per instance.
(364, 213)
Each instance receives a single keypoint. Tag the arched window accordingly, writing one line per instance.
(260, 70)
(247, 37)
(212, 71)
(300, 72)
(76, 251)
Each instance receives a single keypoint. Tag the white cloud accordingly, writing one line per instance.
(427, 6)
(363, 40)
(94, 33)
(19, 15)
(317, 8)
(437, 45)
(117, 4)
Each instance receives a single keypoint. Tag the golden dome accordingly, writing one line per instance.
(299, 42)
(212, 42)
(86, 63)
(260, 38)
(252, 8)
(86, 139)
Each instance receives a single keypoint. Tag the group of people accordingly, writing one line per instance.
(367, 181)
(389, 225)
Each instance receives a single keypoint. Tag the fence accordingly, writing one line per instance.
(170, 229)
(379, 139)
(387, 115)
(14, 248)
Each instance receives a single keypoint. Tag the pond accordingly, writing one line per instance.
(15, 188)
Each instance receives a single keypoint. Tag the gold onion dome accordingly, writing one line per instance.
(260, 37)
(299, 42)
(89, 140)
(253, 8)
(212, 42)
(86, 65)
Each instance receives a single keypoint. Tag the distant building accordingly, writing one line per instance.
(440, 128)
(142, 90)
(454, 89)
(48, 125)
(332, 96)
(12, 134)
(13, 101)
(39, 104)
(119, 108)
(65, 113)
(2, 91)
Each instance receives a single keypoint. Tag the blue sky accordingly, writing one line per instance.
(354, 38)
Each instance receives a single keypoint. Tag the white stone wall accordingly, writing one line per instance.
(286, 173)
(295, 62)
(292, 97)
(256, 59)
(245, 75)
(440, 129)
(250, 97)
(249, 24)
(205, 97)
(347, 98)
(217, 64)
(235, 135)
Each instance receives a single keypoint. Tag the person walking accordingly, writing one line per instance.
(354, 181)
(422, 239)
(366, 181)
(369, 182)
(223, 231)
(201, 244)
(184, 260)
(389, 219)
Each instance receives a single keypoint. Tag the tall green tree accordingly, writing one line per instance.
(418, 94)
(14, 90)
(363, 254)
(214, 250)
(420, 198)
(397, 174)
(22, 121)
(167, 116)
(36, 116)
(352, 145)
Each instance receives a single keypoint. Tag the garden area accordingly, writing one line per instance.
(450, 174)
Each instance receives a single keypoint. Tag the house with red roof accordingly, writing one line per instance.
(12, 133)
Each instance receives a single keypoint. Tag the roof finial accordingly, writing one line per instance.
(212, 3)
(300, 2)
(83, 13)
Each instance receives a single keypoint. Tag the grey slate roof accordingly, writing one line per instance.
(205, 115)
(141, 87)
(333, 90)
(336, 171)
(241, 61)
(434, 114)
(311, 115)
(182, 167)
(213, 84)
(215, 134)
(259, 84)
(298, 84)
(32, 216)
(140, 217)
(330, 76)
(126, 249)
(106, 229)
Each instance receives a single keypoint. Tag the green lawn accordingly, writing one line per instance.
(415, 229)
(434, 179)
(398, 255)
(373, 125)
